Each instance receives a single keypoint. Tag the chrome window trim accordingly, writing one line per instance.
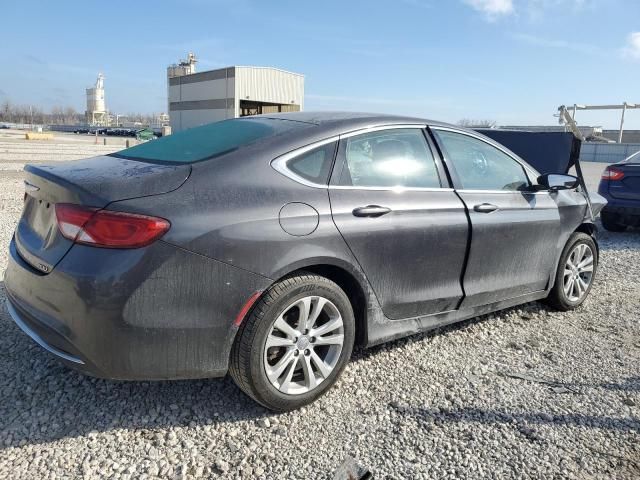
(398, 189)
(462, 190)
(280, 163)
(361, 131)
(529, 170)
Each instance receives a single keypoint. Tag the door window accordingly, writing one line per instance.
(481, 166)
(315, 164)
(389, 158)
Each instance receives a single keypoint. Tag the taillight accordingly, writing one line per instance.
(106, 228)
(612, 173)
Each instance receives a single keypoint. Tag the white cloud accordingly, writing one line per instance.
(534, 10)
(492, 8)
(632, 49)
(562, 44)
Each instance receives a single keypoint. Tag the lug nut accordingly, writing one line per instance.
(296, 353)
(307, 352)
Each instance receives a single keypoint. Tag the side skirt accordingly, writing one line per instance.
(381, 331)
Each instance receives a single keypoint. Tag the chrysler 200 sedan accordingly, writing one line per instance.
(270, 246)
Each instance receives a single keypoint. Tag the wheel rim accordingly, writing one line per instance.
(578, 272)
(304, 345)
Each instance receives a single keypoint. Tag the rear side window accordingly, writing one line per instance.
(389, 158)
(315, 164)
(481, 166)
(209, 141)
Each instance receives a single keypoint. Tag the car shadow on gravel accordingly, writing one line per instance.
(42, 401)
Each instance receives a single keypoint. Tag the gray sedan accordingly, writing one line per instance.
(270, 246)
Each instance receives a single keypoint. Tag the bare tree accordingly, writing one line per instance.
(58, 115)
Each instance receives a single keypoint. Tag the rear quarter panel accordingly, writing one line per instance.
(229, 210)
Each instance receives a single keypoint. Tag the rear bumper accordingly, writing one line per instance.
(625, 208)
(153, 313)
(31, 331)
(627, 212)
(630, 210)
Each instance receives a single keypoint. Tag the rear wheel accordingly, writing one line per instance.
(295, 343)
(575, 274)
(611, 222)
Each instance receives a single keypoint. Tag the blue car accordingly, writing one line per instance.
(620, 185)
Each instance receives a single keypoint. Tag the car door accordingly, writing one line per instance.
(405, 226)
(514, 230)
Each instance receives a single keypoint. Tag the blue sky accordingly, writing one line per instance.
(512, 61)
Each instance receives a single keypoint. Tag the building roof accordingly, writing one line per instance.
(246, 66)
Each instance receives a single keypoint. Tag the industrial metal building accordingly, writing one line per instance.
(205, 97)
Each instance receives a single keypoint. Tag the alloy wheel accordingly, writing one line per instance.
(304, 345)
(578, 272)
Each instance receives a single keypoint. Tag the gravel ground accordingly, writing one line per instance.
(524, 393)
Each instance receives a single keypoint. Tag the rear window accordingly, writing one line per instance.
(208, 141)
(635, 158)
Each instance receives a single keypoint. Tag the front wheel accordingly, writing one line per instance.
(575, 274)
(295, 342)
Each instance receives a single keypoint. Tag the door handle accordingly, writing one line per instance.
(370, 211)
(485, 208)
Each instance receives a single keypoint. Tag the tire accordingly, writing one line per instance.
(611, 222)
(285, 300)
(558, 297)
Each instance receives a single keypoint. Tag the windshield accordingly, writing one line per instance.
(208, 141)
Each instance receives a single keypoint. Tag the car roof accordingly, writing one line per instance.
(349, 120)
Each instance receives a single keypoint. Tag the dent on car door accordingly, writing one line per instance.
(408, 233)
(515, 232)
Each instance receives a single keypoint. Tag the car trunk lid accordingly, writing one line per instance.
(628, 187)
(94, 182)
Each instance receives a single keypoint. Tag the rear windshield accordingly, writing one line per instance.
(635, 158)
(208, 141)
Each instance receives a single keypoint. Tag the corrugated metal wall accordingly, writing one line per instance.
(269, 85)
(607, 152)
(216, 94)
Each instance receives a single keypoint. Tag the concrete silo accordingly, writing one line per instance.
(96, 113)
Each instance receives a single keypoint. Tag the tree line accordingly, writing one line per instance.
(10, 113)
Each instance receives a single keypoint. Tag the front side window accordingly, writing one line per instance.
(481, 166)
(389, 158)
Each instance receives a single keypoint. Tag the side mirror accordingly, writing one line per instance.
(557, 181)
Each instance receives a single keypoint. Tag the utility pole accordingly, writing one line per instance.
(624, 109)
